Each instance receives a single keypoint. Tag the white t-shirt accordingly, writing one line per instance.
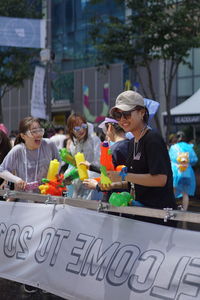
(58, 139)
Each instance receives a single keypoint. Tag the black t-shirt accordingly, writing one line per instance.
(151, 157)
(120, 152)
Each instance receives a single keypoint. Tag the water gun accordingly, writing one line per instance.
(71, 175)
(122, 171)
(53, 169)
(66, 156)
(123, 199)
(53, 187)
(82, 170)
(53, 184)
(106, 162)
(120, 199)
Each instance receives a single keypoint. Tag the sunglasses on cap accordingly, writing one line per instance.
(78, 128)
(117, 115)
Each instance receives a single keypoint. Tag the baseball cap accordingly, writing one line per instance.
(107, 120)
(128, 100)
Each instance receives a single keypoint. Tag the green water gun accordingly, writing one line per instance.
(120, 199)
(70, 176)
(66, 156)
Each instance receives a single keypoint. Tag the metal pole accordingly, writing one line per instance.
(48, 66)
(194, 132)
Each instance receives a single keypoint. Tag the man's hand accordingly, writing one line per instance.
(90, 183)
(20, 185)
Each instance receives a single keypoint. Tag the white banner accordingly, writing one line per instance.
(38, 107)
(19, 32)
(80, 254)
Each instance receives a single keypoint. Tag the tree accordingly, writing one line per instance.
(16, 64)
(154, 30)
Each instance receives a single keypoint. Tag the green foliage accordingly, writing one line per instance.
(153, 30)
(15, 66)
(63, 86)
(21, 8)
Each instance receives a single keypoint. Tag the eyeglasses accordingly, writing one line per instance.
(117, 115)
(35, 131)
(78, 128)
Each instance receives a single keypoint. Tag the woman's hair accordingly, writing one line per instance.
(24, 126)
(180, 135)
(146, 114)
(71, 123)
(117, 128)
(5, 145)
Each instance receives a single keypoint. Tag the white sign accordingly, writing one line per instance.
(80, 254)
(19, 32)
(38, 107)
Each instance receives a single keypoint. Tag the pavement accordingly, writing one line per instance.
(194, 206)
(11, 290)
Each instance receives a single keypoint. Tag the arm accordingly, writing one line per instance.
(113, 186)
(91, 166)
(8, 176)
(158, 180)
(90, 184)
(10, 165)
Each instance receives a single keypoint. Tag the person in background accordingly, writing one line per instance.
(183, 157)
(94, 136)
(172, 140)
(119, 147)
(59, 137)
(5, 147)
(28, 161)
(82, 141)
(12, 136)
(3, 128)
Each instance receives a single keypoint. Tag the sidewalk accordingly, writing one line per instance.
(194, 206)
(11, 290)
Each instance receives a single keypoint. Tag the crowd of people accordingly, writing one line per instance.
(155, 174)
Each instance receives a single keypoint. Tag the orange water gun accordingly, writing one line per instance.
(105, 162)
(53, 187)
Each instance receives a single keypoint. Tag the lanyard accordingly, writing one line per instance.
(26, 164)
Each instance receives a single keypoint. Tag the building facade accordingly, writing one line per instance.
(73, 72)
(74, 64)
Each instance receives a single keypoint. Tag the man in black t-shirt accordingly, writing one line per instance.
(148, 163)
(151, 158)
